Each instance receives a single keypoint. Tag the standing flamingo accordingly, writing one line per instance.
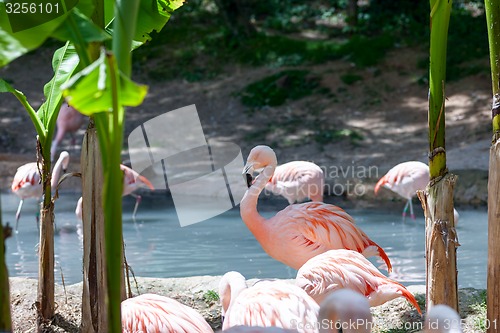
(68, 121)
(442, 319)
(151, 313)
(406, 179)
(338, 269)
(132, 181)
(297, 181)
(345, 309)
(27, 183)
(301, 231)
(266, 304)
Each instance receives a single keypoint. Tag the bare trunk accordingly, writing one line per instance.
(493, 282)
(441, 242)
(45, 300)
(94, 309)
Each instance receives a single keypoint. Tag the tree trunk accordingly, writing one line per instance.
(46, 263)
(352, 13)
(493, 282)
(441, 242)
(94, 309)
(5, 318)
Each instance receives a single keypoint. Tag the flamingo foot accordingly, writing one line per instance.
(413, 216)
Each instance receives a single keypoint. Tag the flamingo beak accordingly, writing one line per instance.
(247, 174)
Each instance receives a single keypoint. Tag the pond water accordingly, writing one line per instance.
(156, 245)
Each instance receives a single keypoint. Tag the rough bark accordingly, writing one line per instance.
(493, 279)
(441, 242)
(94, 309)
(45, 302)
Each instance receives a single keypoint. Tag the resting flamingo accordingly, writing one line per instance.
(346, 309)
(151, 313)
(406, 179)
(132, 181)
(68, 121)
(301, 231)
(266, 304)
(442, 319)
(297, 181)
(27, 183)
(337, 269)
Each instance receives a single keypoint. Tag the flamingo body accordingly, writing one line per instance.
(298, 181)
(132, 181)
(151, 313)
(346, 309)
(301, 231)
(266, 304)
(337, 269)
(442, 319)
(27, 182)
(68, 121)
(257, 329)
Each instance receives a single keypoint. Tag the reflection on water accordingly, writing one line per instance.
(156, 246)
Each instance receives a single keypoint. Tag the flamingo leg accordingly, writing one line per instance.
(405, 210)
(138, 199)
(18, 213)
(411, 210)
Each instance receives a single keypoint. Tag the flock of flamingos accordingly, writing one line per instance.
(335, 285)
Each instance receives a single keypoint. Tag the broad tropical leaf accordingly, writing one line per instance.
(90, 91)
(64, 63)
(78, 27)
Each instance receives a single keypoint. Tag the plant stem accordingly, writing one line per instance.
(492, 8)
(440, 18)
(5, 318)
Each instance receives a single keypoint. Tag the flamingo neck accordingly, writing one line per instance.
(248, 206)
(230, 291)
(56, 172)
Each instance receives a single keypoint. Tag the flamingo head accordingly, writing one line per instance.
(64, 158)
(259, 158)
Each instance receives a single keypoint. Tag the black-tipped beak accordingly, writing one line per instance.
(249, 179)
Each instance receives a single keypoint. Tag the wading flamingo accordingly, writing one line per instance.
(442, 319)
(301, 231)
(132, 181)
(337, 269)
(406, 179)
(345, 310)
(68, 121)
(151, 313)
(297, 181)
(27, 184)
(266, 304)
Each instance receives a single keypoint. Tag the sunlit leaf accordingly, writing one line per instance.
(64, 63)
(90, 91)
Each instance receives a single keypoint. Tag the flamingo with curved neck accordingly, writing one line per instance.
(300, 231)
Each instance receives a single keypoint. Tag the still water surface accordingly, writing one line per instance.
(156, 246)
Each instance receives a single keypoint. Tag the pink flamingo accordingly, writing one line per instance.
(406, 179)
(68, 121)
(346, 309)
(132, 181)
(338, 269)
(301, 231)
(297, 181)
(266, 304)
(27, 182)
(151, 313)
(442, 319)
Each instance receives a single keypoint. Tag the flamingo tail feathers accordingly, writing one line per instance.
(375, 250)
(146, 181)
(409, 296)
